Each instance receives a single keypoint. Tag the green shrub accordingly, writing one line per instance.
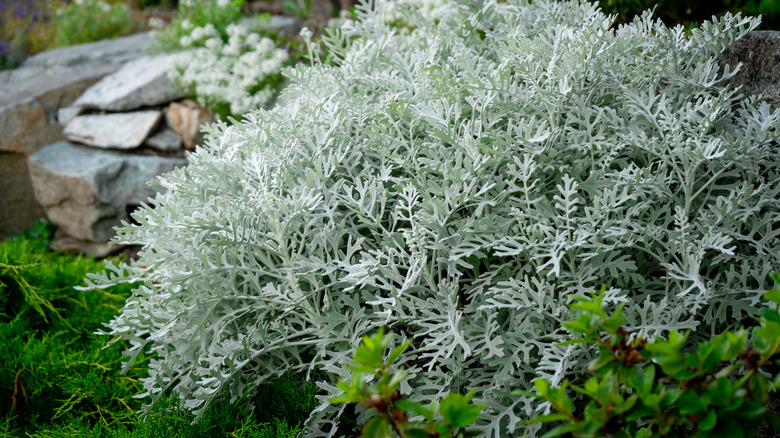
(51, 365)
(645, 388)
(459, 183)
(85, 21)
(58, 380)
(194, 14)
(391, 410)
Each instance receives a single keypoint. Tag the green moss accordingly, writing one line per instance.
(58, 380)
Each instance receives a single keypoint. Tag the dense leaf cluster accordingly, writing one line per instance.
(448, 418)
(459, 181)
(654, 388)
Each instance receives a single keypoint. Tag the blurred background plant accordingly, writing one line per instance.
(84, 21)
(230, 78)
(195, 14)
(31, 26)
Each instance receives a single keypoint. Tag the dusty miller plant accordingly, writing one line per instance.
(458, 184)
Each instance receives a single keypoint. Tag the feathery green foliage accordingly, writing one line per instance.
(57, 380)
(459, 182)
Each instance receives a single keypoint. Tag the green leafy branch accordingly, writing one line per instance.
(392, 420)
(655, 389)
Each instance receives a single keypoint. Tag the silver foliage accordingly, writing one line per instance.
(458, 183)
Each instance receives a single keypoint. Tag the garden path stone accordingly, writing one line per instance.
(759, 53)
(141, 82)
(113, 131)
(87, 192)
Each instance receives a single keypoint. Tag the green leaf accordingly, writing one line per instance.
(577, 326)
(751, 409)
(708, 422)
(542, 387)
(415, 431)
(612, 324)
(690, 403)
(415, 408)
(397, 352)
(772, 295)
(561, 430)
(377, 427)
(759, 387)
(722, 391)
(652, 401)
(467, 415)
(456, 410)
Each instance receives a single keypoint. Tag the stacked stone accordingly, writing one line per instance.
(84, 131)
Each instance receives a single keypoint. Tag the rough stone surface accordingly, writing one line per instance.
(28, 107)
(87, 192)
(55, 87)
(18, 208)
(166, 141)
(114, 51)
(141, 82)
(759, 53)
(113, 131)
(185, 119)
(65, 115)
(24, 128)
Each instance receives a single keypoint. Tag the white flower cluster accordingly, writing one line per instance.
(233, 75)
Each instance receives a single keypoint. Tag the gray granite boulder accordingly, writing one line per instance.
(759, 53)
(113, 131)
(141, 82)
(88, 192)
